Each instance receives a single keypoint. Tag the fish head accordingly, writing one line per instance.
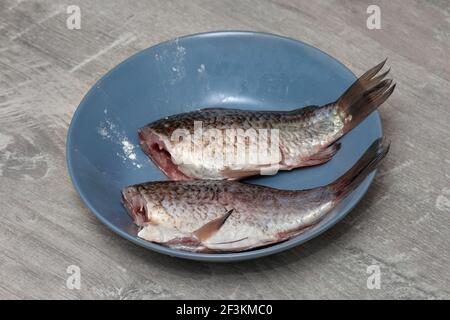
(158, 146)
(135, 204)
(144, 206)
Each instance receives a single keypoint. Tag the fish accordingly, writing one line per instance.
(217, 216)
(216, 143)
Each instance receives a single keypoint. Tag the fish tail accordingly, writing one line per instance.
(363, 167)
(364, 96)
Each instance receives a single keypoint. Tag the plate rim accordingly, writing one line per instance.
(207, 257)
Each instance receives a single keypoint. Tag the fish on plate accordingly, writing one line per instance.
(231, 216)
(297, 138)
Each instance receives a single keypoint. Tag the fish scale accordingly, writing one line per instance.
(231, 216)
(307, 136)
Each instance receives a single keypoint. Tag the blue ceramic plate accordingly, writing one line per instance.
(244, 70)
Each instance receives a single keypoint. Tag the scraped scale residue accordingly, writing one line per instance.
(172, 61)
(128, 149)
(108, 130)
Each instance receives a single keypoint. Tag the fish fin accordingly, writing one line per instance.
(210, 228)
(363, 167)
(210, 109)
(231, 174)
(214, 109)
(322, 156)
(364, 96)
(286, 235)
(229, 242)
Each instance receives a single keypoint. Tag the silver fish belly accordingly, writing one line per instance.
(230, 216)
(231, 144)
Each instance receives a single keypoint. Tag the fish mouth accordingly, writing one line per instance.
(136, 205)
(155, 148)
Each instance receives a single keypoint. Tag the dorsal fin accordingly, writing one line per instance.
(212, 109)
(218, 109)
(209, 229)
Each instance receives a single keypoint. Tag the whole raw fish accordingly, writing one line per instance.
(227, 216)
(282, 140)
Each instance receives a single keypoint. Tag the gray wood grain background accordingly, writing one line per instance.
(402, 225)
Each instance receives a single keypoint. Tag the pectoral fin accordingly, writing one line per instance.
(230, 174)
(210, 228)
(322, 156)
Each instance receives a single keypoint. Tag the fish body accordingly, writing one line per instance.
(230, 216)
(231, 144)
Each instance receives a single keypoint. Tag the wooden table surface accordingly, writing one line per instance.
(402, 226)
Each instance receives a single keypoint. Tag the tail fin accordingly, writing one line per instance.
(364, 96)
(365, 165)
